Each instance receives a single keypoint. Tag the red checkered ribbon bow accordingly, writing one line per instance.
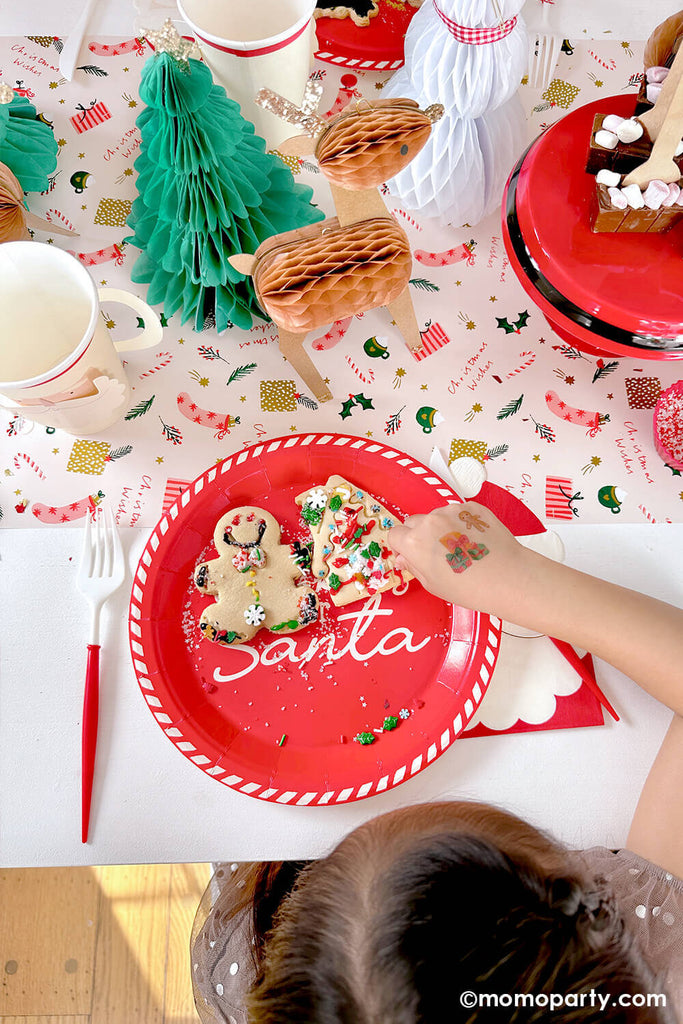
(476, 36)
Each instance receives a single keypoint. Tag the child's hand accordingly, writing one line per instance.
(463, 554)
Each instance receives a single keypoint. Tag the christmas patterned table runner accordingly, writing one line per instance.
(570, 434)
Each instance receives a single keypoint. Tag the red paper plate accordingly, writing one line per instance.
(227, 709)
(374, 47)
(606, 293)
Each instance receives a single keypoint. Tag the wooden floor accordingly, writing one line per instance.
(98, 945)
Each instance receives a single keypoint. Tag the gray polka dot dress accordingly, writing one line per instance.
(222, 965)
(649, 898)
(651, 902)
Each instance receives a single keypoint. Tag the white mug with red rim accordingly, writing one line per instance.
(58, 364)
(251, 46)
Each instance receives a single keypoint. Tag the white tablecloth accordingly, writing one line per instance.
(152, 805)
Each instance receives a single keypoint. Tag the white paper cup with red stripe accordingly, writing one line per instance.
(251, 46)
(58, 363)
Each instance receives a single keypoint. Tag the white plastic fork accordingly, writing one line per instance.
(101, 572)
(544, 52)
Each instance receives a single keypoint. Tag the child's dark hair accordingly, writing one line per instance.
(393, 932)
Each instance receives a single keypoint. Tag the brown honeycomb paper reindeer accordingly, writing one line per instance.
(361, 258)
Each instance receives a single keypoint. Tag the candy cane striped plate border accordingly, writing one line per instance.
(358, 62)
(398, 775)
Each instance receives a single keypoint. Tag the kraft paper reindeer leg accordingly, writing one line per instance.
(291, 343)
(403, 313)
(292, 348)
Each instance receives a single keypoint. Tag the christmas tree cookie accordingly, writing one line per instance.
(351, 557)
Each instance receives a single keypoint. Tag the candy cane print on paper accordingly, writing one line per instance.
(366, 379)
(29, 462)
(66, 513)
(529, 358)
(398, 212)
(650, 517)
(582, 417)
(163, 359)
(57, 218)
(443, 259)
(220, 422)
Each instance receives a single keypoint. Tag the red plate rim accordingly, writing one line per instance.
(484, 644)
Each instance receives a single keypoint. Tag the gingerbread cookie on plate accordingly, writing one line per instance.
(360, 11)
(255, 580)
(351, 557)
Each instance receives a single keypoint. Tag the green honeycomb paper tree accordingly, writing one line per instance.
(27, 146)
(206, 189)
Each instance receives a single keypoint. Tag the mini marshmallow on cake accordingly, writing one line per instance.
(620, 144)
(657, 209)
(351, 557)
(654, 79)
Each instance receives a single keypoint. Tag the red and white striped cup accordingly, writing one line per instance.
(253, 46)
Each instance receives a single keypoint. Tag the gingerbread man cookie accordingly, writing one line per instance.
(360, 11)
(254, 580)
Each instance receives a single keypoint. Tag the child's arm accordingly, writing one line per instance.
(466, 556)
(657, 828)
(639, 635)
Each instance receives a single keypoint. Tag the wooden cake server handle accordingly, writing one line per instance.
(653, 119)
(660, 164)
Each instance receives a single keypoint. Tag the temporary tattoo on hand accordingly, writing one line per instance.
(473, 521)
(462, 551)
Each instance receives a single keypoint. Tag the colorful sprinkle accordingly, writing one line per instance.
(364, 738)
(312, 516)
(390, 722)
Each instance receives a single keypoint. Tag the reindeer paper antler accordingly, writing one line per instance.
(303, 117)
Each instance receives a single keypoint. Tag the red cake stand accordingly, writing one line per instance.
(615, 294)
